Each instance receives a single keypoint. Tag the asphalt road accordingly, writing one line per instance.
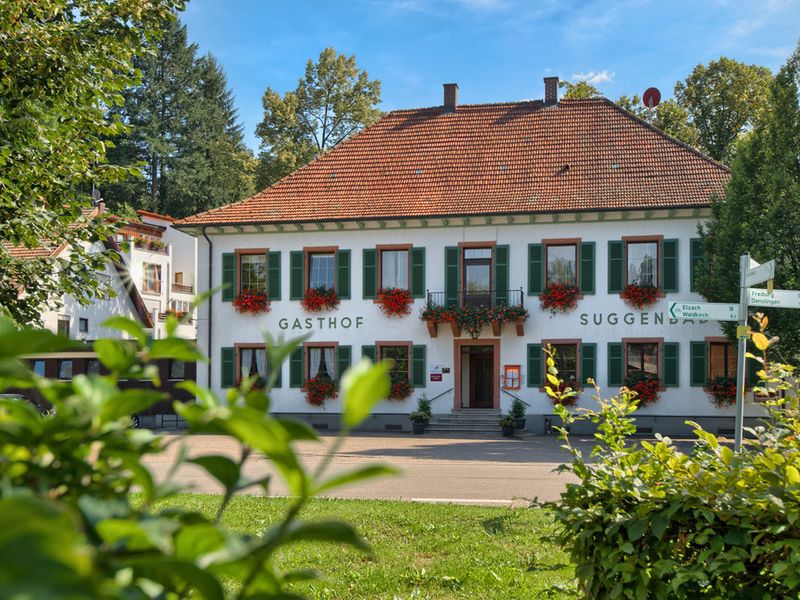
(467, 470)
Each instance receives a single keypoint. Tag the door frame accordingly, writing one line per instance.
(458, 344)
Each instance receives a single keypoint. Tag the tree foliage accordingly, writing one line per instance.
(69, 527)
(760, 213)
(333, 101)
(647, 520)
(668, 116)
(62, 64)
(183, 132)
(724, 100)
(580, 90)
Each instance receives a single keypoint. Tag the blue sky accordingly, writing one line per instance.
(496, 50)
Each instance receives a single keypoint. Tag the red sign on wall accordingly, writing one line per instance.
(436, 376)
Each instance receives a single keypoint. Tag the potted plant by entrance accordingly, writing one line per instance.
(507, 423)
(422, 416)
(518, 412)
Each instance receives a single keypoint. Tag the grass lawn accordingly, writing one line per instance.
(420, 550)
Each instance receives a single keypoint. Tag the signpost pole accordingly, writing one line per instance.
(744, 265)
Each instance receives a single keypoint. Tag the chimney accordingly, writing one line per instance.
(550, 90)
(450, 97)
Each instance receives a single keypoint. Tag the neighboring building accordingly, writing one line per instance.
(155, 275)
(466, 206)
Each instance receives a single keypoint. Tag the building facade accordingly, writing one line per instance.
(477, 211)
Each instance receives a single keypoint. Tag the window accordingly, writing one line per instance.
(152, 278)
(92, 366)
(511, 377)
(83, 325)
(252, 271)
(394, 269)
(65, 369)
(322, 270)
(321, 361)
(562, 263)
(642, 268)
(63, 326)
(398, 354)
(477, 276)
(177, 369)
(722, 357)
(180, 305)
(641, 359)
(566, 359)
(37, 366)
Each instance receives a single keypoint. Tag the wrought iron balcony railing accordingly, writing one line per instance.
(466, 298)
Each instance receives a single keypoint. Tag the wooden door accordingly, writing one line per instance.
(481, 378)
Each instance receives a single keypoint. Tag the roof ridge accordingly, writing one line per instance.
(661, 132)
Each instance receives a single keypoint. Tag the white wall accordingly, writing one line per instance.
(617, 319)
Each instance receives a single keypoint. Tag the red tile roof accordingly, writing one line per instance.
(520, 157)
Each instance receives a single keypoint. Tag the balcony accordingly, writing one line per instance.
(179, 288)
(472, 310)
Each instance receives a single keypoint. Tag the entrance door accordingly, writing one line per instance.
(481, 376)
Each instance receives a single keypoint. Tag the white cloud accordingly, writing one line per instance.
(594, 77)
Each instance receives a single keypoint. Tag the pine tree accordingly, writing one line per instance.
(761, 210)
(184, 134)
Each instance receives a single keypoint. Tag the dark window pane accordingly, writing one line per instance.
(65, 369)
(399, 354)
(721, 360)
(37, 366)
(566, 359)
(253, 271)
(642, 359)
(177, 369)
(323, 268)
(561, 261)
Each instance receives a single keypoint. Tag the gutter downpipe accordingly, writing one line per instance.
(210, 302)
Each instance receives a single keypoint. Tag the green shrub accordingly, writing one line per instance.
(517, 409)
(68, 528)
(649, 521)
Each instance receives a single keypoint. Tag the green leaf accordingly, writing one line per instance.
(20, 342)
(636, 529)
(325, 531)
(176, 349)
(726, 454)
(165, 571)
(792, 474)
(360, 474)
(116, 355)
(130, 402)
(128, 326)
(221, 468)
(363, 386)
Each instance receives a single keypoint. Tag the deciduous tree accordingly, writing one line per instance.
(333, 101)
(579, 90)
(761, 209)
(63, 63)
(724, 100)
(668, 116)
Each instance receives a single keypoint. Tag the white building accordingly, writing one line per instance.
(468, 206)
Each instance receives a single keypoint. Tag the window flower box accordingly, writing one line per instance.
(474, 318)
(400, 389)
(251, 302)
(395, 302)
(319, 389)
(723, 391)
(646, 387)
(640, 296)
(320, 299)
(559, 298)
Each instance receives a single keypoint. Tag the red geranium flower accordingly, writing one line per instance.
(646, 386)
(319, 389)
(251, 302)
(559, 298)
(395, 302)
(319, 299)
(640, 296)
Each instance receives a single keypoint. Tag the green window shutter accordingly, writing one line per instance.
(344, 356)
(368, 352)
(698, 367)
(588, 362)
(451, 275)
(669, 264)
(670, 376)
(587, 268)
(296, 275)
(370, 268)
(419, 367)
(229, 276)
(616, 272)
(501, 275)
(696, 259)
(417, 273)
(296, 374)
(615, 363)
(343, 274)
(274, 275)
(227, 363)
(535, 365)
(535, 269)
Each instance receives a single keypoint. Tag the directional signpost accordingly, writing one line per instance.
(777, 298)
(710, 311)
(757, 273)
